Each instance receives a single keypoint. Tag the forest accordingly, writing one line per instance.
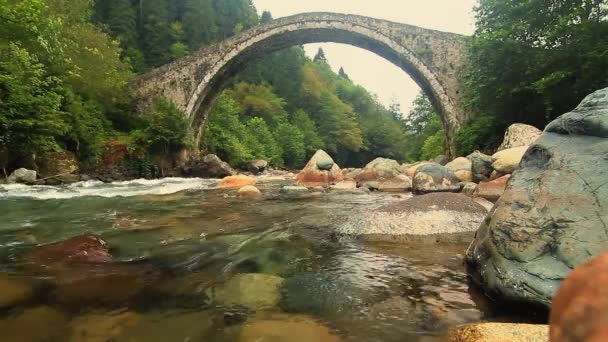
(65, 67)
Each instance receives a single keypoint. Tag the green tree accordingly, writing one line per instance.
(292, 142)
(320, 56)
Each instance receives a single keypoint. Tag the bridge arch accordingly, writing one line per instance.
(432, 58)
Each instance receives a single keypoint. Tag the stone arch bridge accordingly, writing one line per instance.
(432, 58)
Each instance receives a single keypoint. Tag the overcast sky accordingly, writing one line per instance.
(376, 74)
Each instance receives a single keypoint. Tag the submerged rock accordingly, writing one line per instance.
(14, 290)
(435, 178)
(507, 161)
(500, 332)
(430, 215)
(518, 135)
(22, 176)
(86, 248)
(168, 326)
(239, 181)
(552, 216)
(254, 291)
(209, 166)
(286, 328)
(580, 308)
(102, 326)
(39, 324)
(249, 191)
(312, 175)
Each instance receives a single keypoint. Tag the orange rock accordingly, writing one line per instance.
(311, 175)
(249, 191)
(580, 308)
(236, 181)
(492, 190)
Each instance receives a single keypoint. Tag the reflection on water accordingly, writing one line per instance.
(195, 263)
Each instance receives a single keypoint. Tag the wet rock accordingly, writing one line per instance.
(239, 181)
(320, 293)
(257, 166)
(22, 176)
(86, 248)
(39, 324)
(168, 326)
(344, 185)
(102, 326)
(251, 290)
(462, 169)
(481, 166)
(492, 190)
(14, 290)
(500, 332)
(428, 215)
(551, 218)
(249, 191)
(209, 166)
(412, 169)
(312, 175)
(580, 308)
(518, 135)
(286, 328)
(398, 183)
(378, 170)
(507, 161)
(102, 283)
(434, 178)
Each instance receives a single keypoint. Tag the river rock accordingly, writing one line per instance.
(507, 161)
(500, 332)
(312, 175)
(344, 185)
(257, 166)
(379, 169)
(289, 189)
(102, 326)
(469, 189)
(286, 328)
(552, 216)
(22, 176)
(412, 169)
(398, 183)
(518, 135)
(251, 290)
(441, 159)
(239, 181)
(481, 166)
(492, 190)
(14, 290)
(434, 178)
(209, 166)
(87, 248)
(420, 216)
(58, 163)
(39, 324)
(249, 191)
(580, 308)
(161, 326)
(462, 169)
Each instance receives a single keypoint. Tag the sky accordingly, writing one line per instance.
(379, 76)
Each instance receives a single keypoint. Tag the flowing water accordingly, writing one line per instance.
(178, 244)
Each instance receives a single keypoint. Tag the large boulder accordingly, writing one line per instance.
(481, 166)
(379, 169)
(209, 166)
(428, 215)
(507, 161)
(320, 171)
(518, 135)
(580, 308)
(435, 178)
(398, 183)
(552, 216)
(22, 176)
(462, 169)
(257, 166)
(411, 170)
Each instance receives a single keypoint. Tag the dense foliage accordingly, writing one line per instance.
(531, 61)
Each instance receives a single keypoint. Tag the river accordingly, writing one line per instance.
(177, 245)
